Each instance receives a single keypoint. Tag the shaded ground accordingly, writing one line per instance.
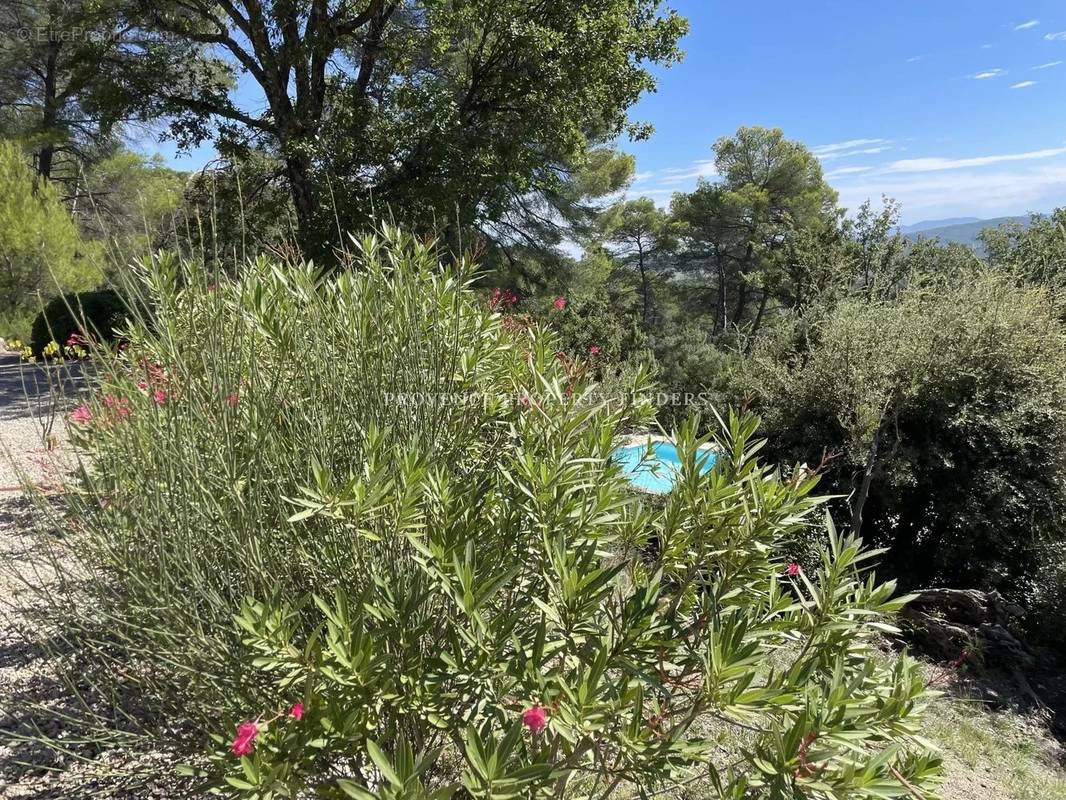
(26, 389)
(32, 430)
(33, 445)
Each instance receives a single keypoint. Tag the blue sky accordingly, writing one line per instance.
(953, 107)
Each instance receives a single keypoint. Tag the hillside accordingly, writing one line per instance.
(963, 232)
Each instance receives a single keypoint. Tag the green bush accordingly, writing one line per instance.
(98, 315)
(42, 251)
(439, 577)
(948, 405)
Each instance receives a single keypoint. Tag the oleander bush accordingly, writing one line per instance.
(360, 536)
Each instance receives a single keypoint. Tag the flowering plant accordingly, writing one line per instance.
(435, 596)
(552, 634)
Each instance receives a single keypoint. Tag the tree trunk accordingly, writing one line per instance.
(873, 461)
(742, 303)
(46, 155)
(643, 283)
(720, 320)
(310, 239)
(758, 322)
(867, 478)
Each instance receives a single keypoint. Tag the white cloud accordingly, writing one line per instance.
(989, 73)
(862, 152)
(852, 147)
(822, 149)
(1056, 37)
(704, 168)
(1023, 84)
(953, 194)
(847, 171)
(1048, 65)
(661, 197)
(1030, 24)
(937, 164)
(912, 59)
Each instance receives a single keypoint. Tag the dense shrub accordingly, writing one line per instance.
(442, 583)
(948, 406)
(42, 251)
(97, 315)
(594, 323)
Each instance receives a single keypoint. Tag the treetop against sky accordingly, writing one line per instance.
(952, 107)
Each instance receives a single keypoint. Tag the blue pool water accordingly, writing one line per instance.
(657, 472)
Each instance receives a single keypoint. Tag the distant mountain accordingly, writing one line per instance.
(963, 231)
(929, 224)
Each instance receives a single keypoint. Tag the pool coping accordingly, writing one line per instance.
(633, 439)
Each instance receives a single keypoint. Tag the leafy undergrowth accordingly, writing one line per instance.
(995, 754)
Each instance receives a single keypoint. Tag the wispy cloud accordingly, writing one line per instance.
(704, 168)
(847, 171)
(1030, 24)
(988, 73)
(912, 59)
(1048, 65)
(852, 147)
(1056, 37)
(936, 164)
(964, 193)
(1023, 84)
(823, 149)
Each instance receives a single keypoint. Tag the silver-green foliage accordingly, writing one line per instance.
(421, 534)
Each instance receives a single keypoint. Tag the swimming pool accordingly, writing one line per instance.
(657, 472)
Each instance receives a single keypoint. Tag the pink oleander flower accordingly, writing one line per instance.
(793, 569)
(120, 406)
(502, 297)
(594, 350)
(560, 303)
(76, 339)
(159, 396)
(82, 415)
(535, 718)
(297, 711)
(233, 399)
(244, 741)
(104, 502)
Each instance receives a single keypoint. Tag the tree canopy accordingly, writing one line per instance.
(438, 113)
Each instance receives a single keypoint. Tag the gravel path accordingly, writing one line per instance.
(32, 426)
(34, 447)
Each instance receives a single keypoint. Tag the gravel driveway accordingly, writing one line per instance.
(31, 416)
